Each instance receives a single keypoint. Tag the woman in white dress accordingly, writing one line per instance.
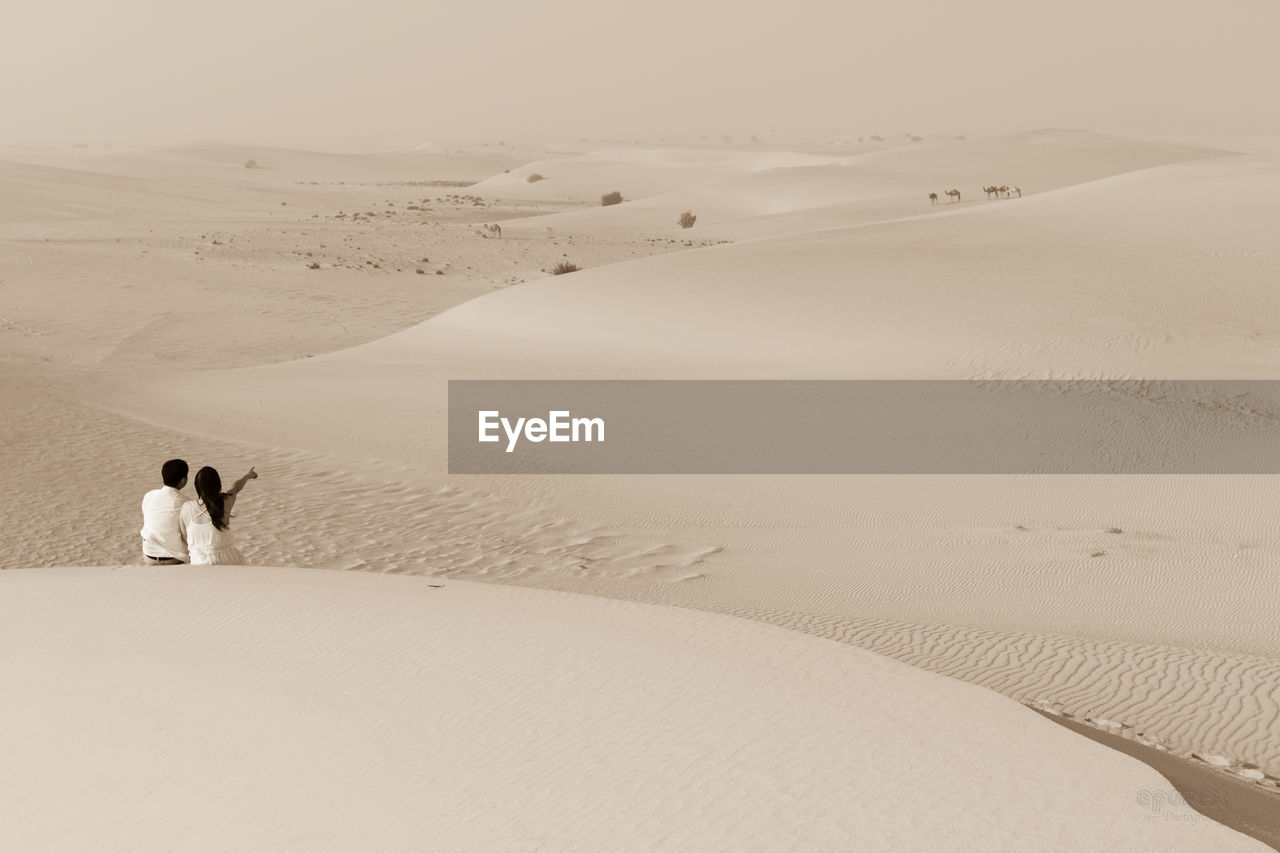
(209, 539)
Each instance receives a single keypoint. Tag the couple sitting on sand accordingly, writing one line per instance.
(176, 528)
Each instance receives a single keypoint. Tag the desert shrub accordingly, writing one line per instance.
(251, 164)
(564, 267)
(687, 219)
(534, 178)
(614, 197)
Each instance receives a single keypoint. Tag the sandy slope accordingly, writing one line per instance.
(1167, 271)
(129, 273)
(739, 195)
(283, 709)
(1164, 272)
(634, 172)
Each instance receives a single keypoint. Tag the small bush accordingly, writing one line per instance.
(564, 267)
(614, 197)
(534, 178)
(687, 219)
(251, 164)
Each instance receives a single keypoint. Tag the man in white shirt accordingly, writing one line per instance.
(164, 542)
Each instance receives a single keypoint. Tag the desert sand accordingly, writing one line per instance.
(285, 709)
(173, 302)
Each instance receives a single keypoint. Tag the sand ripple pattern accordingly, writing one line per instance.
(1191, 699)
(315, 512)
(307, 510)
(224, 708)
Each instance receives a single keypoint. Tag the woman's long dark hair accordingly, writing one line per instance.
(209, 490)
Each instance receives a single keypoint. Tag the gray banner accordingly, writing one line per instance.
(864, 427)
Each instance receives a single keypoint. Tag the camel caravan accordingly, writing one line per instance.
(1004, 191)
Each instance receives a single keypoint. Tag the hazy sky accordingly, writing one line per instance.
(384, 72)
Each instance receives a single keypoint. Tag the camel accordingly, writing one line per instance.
(1005, 189)
(1018, 190)
(933, 198)
(493, 229)
(954, 194)
(990, 191)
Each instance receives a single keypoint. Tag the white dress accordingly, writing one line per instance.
(207, 545)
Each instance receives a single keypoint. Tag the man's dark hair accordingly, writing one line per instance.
(173, 472)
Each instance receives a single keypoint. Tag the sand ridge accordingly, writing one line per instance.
(1162, 271)
(488, 717)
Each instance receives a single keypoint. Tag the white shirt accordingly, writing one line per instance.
(162, 534)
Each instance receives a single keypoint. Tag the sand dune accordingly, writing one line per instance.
(226, 161)
(1114, 277)
(636, 173)
(740, 195)
(383, 712)
(1124, 259)
(36, 194)
(1099, 679)
(1122, 277)
(125, 271)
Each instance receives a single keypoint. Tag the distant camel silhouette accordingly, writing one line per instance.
(1004, 189)
(494, 229)
(990, 191)
(933, 198)
(954, 194)
(1018, 190)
